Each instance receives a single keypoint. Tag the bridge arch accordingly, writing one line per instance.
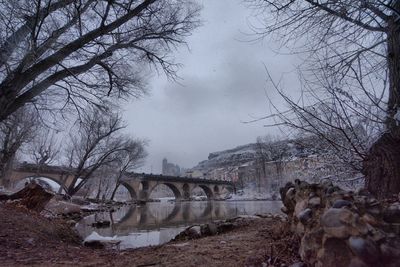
(40, 177)
(207, 190)
(130, 189)
(174, 189)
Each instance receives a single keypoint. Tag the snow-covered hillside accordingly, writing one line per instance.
(231, 157)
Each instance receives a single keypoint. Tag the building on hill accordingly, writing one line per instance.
(170, 168)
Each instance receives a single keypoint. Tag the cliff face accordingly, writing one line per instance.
(232, 157)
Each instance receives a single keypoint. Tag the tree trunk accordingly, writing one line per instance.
(382, 165)
(114, 191)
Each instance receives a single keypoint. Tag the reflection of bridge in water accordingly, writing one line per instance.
(157, 222)
(182, 213)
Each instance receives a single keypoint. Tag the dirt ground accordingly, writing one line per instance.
(26, 238)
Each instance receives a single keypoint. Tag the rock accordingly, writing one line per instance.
(388, 253)
(284, 210)
(300, 206)
(208, 229)
(340, 203)
(390, 249)
(364, 249)
(392, 213)
(377, 235)
(305, 216)
(330, 190)
(225, 226)
(310, 243)
(375, 211)
(356, 262)
(368, 218)
(334, 253)
(94, 244)
(99, 244)
(298, 264)
(194, 231)
(101, 224)
(314, 202)
(337, 222)
(191, 232)
(290, 193)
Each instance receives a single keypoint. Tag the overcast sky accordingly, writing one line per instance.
(223, 83)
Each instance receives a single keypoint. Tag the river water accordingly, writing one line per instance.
(158, 222)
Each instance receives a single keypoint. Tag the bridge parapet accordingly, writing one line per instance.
(167, 178)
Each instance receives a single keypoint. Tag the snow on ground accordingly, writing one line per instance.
(94, 236)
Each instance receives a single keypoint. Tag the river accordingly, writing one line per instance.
(156, 223)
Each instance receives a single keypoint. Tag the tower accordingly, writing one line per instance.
(164, 166)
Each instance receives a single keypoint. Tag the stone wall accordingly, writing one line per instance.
(342, 228)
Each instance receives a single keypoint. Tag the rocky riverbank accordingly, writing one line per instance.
(28, 238)
(325, 226)
(342, 228)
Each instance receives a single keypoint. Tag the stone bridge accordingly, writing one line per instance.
(139, 185)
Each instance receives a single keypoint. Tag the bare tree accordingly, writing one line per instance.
(70, 53)
(15, 132)
(353, 57)
(44, 148)
(129, 159)
(94, 144)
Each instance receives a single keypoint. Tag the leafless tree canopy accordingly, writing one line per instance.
(16, 131)
(347, 46)
(350, 79)
(67, 53)
(96, 142)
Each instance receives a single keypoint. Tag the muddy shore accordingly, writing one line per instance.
(27, 238)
